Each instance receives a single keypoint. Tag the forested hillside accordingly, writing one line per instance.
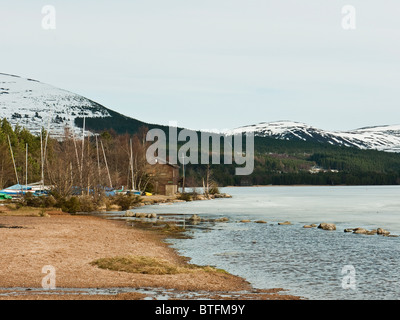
(285, 162)
(106, 161)
(69, 164)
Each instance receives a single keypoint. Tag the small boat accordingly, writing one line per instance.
(4, 196)
(135, 192)
(18, 190)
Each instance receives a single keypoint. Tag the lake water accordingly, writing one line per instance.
(312, 263)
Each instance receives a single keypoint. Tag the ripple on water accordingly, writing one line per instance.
(308, 262)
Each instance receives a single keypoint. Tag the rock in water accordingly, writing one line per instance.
(360, 231)
(141, 215)
(195, 217)
(130, 213)
(224, 219)
(327, 226)
(382, 232)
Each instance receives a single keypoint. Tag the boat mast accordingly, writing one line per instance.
(44, 152)
(26, 168)
(98, 157)
(83, 149)
(42, 159)
(83, 140)
(105, 160)
(131, 165)
(12, 156)
(47, 137)
(88, 175)
(76, 154)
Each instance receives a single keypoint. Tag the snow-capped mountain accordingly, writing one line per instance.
(383, 138)
(32, 104)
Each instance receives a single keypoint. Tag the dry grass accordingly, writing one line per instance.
(149, 265)
(23, 211)
(13, 210)
(169, 229)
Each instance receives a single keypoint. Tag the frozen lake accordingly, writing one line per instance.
(307, 262)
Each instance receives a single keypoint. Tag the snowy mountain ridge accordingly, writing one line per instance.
(34, 105)
(383, 138)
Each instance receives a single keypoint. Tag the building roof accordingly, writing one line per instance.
(163, 161)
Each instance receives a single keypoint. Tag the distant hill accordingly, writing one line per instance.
(32, 104)
(116, 122)
(299, 162)
(286, 152)
(383, 138)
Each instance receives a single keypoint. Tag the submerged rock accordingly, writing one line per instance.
(222, 195)
(327, 226)
(310, 226)
(360, 231)
(224, 219)
(381, 231)
(141, 215)
(130, 213)
(195, 217)
(201, 197)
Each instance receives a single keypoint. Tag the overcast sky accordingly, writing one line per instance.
(215, 64)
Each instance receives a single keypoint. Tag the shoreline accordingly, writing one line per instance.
(70, 243)
(312, 185)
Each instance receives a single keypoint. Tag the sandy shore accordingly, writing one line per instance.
(70, 243)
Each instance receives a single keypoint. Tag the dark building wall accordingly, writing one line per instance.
(165, 178)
